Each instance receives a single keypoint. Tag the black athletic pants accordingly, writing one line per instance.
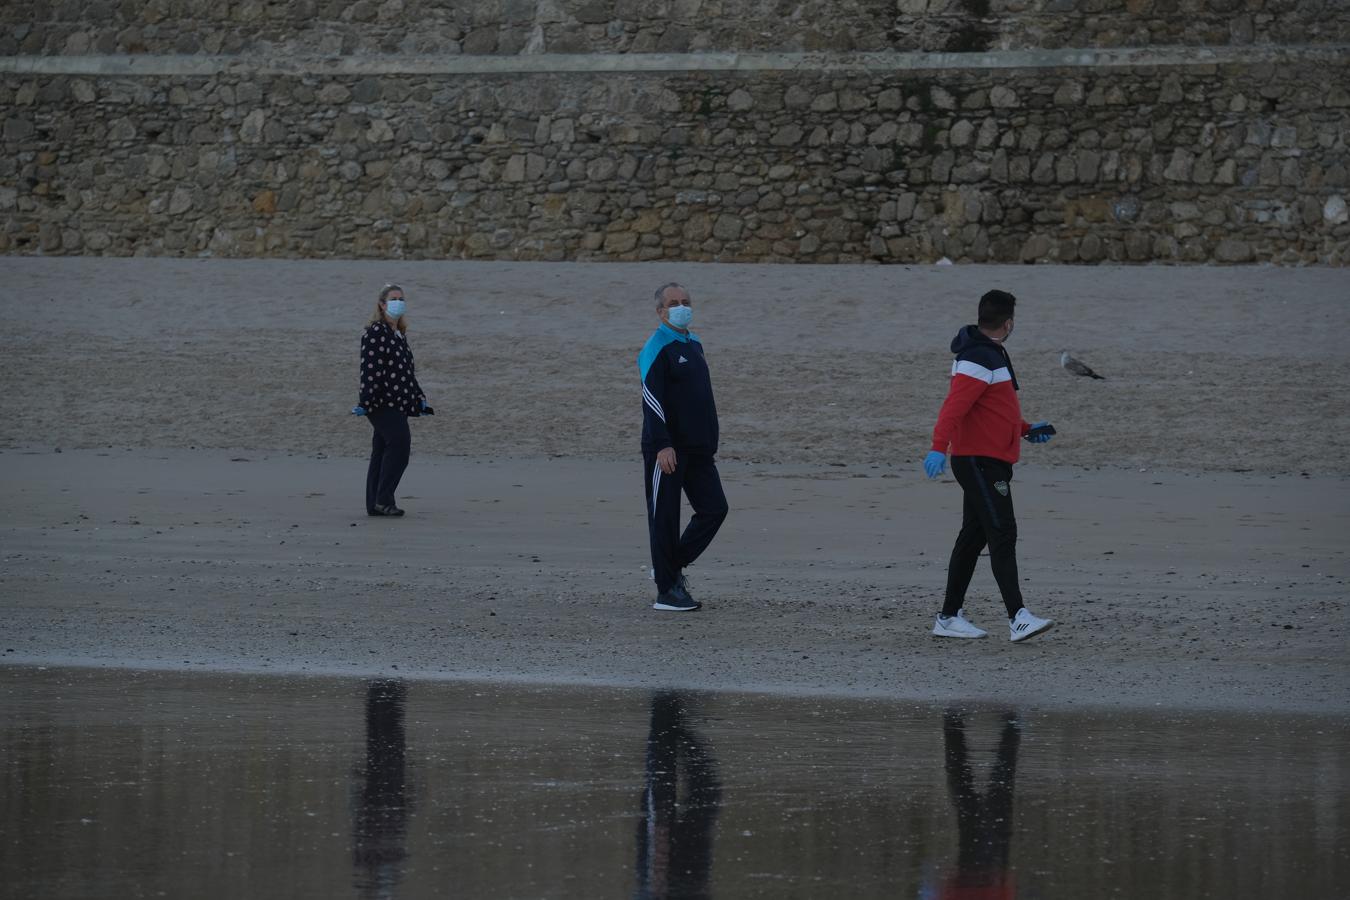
(695, 474)
(986, 519)
(389, 449)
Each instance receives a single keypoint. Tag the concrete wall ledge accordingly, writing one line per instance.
(1130, 58)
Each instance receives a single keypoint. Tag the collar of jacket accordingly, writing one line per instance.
(676, 334)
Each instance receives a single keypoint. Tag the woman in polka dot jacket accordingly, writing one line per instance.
(389, 395)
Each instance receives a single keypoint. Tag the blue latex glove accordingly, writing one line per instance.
(1039, 438)
(426, 408)
(358, 410)
(934, 463)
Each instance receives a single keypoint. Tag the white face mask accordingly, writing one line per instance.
(680, 316)
(395, 308)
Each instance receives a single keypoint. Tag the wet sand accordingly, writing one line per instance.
(131, 784)
(1186, 527)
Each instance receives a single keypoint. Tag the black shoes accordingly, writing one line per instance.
(677, 599)
(379, 510)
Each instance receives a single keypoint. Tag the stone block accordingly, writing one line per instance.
(480, 41)
(1232, 250)
(333, 94)
(953, 208)
(970, 172)
(180, 201)
(910, 134)
(797, 97)
(1044, 173)
(514, 170)
(562, 131)
(698, 227)
(853, 101)
(602, 169)
(1179, 168)
(648, 221)
(885, 133)
(620, 242)
(941, 169)
(1090, 248)
(1334, 211)
(728, 227)
(1170, 92)
(905, 205)
(1069, 93)
(1035, 248)
(265, 203)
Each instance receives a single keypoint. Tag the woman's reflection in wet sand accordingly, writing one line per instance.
(380, 822)
(984, 820)
(679, 806)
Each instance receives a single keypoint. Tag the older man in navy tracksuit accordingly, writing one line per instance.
(679, 441)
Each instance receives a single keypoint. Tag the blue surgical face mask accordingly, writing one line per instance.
(680, 316)
(395, 308)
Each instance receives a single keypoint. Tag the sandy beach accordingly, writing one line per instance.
(182, 484)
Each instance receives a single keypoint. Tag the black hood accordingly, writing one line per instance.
(971, 338)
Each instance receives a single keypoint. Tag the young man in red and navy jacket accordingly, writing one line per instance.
(679, 440)
(981, 425)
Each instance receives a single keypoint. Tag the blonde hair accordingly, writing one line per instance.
(401, 323)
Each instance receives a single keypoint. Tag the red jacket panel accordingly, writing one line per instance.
(981, 415)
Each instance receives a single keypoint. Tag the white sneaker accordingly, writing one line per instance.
(957, 626)
(1025, 625)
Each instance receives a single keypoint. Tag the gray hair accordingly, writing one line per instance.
(661, 292)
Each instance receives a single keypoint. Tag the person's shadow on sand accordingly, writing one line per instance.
(680, 802)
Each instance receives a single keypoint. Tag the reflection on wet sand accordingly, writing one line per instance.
(382, 801)
(984, 819)
(680, 802)
(116, 784)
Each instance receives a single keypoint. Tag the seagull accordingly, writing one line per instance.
(1077, 368)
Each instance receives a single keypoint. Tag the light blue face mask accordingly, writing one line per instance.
(395, 308)
(680, 316)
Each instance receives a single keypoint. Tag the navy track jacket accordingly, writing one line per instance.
(677, 397)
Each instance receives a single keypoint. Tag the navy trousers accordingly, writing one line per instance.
(986, 520)
(390, 447)
(696, 475)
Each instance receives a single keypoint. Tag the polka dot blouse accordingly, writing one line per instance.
(387, 379)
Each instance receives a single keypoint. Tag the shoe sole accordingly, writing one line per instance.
(668, 608)
(1017, 639)
(938, 632)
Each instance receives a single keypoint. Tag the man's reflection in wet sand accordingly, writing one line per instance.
(380, 822)
(984, 820)
(679, 806)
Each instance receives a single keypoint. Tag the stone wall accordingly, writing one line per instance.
(812, 159)
(331, 27)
